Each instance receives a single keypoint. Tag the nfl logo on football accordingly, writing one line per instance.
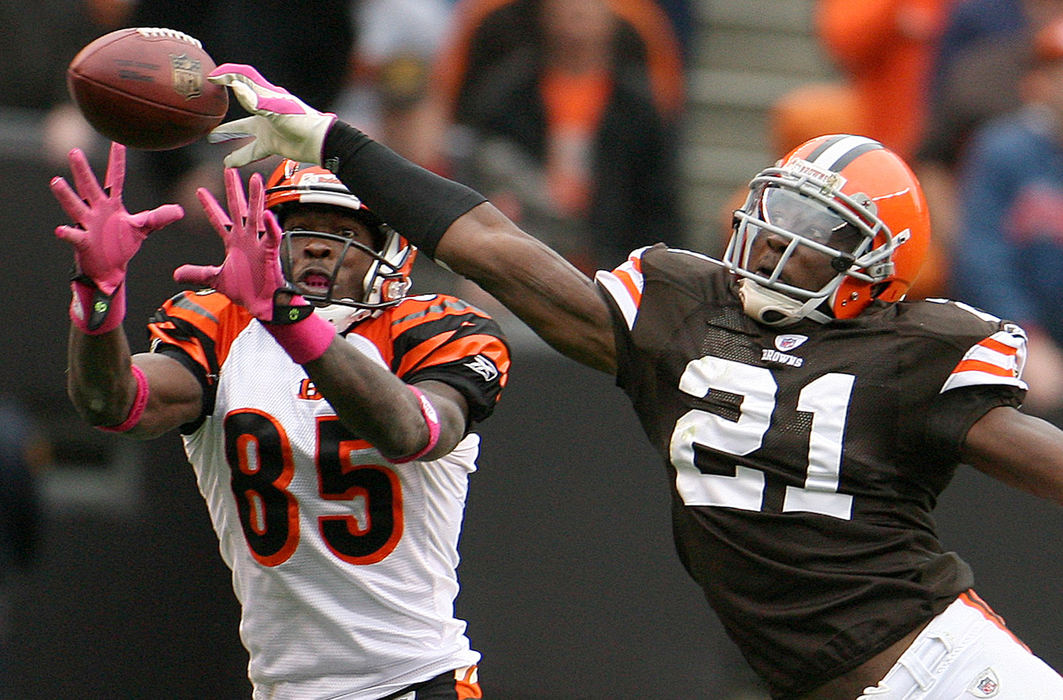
(187, 76)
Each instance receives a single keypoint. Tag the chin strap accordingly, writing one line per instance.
(342, 316)
(775, 308)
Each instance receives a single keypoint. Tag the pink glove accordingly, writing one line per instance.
(105, 237)
(251, 273)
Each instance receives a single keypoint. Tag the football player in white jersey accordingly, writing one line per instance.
(327, 414)
(807, 414)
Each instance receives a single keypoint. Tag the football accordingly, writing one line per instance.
(147, 88)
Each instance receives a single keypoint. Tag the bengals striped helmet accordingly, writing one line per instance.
(388, 280)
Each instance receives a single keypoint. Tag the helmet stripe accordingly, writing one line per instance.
(837, 152)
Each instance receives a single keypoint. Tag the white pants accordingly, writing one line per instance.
(963, 654)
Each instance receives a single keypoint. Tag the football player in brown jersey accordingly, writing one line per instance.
(807, 414)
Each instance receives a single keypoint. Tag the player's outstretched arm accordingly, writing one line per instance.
(142, 398)
(557, 301)
(445, 220)
(1018, 449)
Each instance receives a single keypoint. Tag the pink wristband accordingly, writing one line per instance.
(93, 312)
(431, 418)
(136, 411)
(305, 340)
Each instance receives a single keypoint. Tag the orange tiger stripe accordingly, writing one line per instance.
(468, 691)
(495, 350)
(487, 345)
(194, 350)
(431, 311)
(972, 600)
(998, 346)
(228, 321)
(415, 355)
(982, 366)
(203, 322)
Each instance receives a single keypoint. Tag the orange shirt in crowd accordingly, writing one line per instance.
(885, 48)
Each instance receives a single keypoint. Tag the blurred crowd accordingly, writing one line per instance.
(569, 114)
(970, 92)
(565, 112)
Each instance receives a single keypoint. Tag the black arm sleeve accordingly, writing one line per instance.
(417, 203)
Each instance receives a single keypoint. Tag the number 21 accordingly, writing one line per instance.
(826, 398)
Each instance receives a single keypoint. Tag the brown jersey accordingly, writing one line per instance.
(805, 461)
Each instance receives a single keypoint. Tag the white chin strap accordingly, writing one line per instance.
(775, 308)
(341, 316)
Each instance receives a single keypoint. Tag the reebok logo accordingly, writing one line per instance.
(483, 367)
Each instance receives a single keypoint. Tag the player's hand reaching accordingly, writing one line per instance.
(105, 236)
(282, 124)
(251, 273)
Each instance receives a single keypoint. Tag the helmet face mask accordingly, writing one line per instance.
(386, 282)
(827, 231)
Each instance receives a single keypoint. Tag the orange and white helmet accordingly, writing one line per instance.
(848, 197)
(387, 282)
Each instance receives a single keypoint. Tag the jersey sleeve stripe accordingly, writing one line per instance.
(992, 343)
(624, 286)
(192, 348)
(997, 359)
(415, 355)
(434, 310)
(200, 324)
(616, 291)
(442, 349)
(972, 365)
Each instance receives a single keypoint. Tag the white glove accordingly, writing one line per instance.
(283, 124)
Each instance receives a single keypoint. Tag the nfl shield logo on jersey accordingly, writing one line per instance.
(985, 685)
(789, 341)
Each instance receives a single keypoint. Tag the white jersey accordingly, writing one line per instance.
(343, 563)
